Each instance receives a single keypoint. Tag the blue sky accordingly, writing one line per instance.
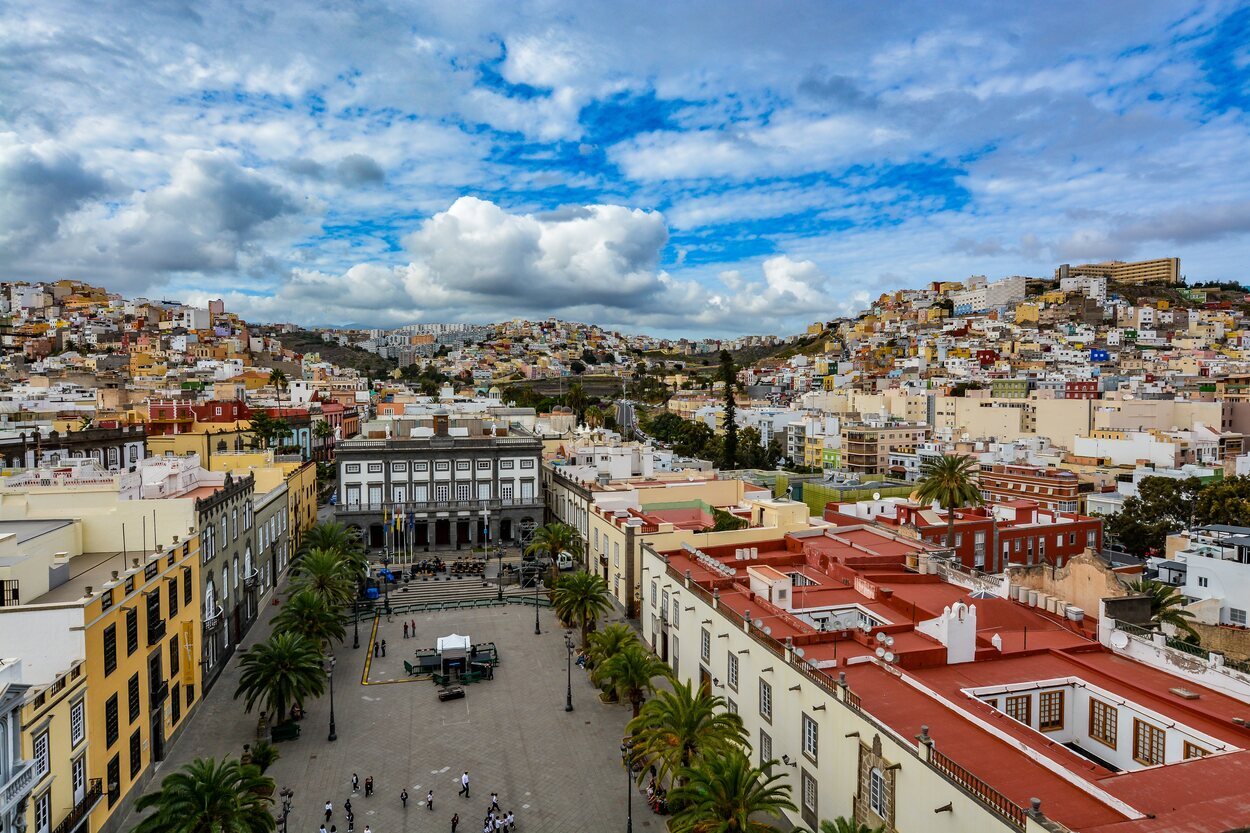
(682, 169)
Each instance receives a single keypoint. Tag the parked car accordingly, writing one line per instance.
(564, 561)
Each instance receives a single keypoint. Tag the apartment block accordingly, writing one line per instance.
(1162, 270)
(1051, 488)
(866, 446)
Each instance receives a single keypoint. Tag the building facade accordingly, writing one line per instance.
(231, 580)
(111, 448)
(1051, 488)
(447, 484)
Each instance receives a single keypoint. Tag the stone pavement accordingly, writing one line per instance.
(558, 771)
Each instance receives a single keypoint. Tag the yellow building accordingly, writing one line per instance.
(301, 481)
(1026, 313)
(1162, 270)
(116, 673)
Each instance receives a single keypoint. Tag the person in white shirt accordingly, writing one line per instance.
(464, 784)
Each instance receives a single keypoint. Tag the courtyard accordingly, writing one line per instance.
(557, 770)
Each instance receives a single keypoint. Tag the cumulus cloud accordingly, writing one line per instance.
(40, 184)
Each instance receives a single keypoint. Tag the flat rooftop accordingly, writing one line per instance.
(91, 569)
(28, 530)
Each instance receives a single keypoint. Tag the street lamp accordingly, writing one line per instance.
(537, 630)
(568, 694)
(356, 620)
(287, 794)
(629, 789)
(386, 580)
(330, 674)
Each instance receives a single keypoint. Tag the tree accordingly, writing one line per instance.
(604, 645)
(551, 540)
(775, 451)
(1166, 605)
(594, 416)
(265, 431)
(336, 538)
(277, 378)
(726, 793)
(949, 480)
(750, 448)
(693, 439)
(666, 426)
(283, 670)
(308, 615)
(209, 796)
(325, 574)
(631, 672)
(729, 460)
(1224, 501)
(577, 367)
(582, 598)
(1161, 506)
(324, 432)
(679, 727)
(576, 398)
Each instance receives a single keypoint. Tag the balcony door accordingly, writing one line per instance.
(78, 774)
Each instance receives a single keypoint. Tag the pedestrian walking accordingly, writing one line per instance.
(323, 828)
(367, 830)
(455, 821)
(429, 800)
(403, 798)
(413, 628)
(329, 811)
(355, 783)
(405, 630)
(347, 806)
(494, 802)
(464, 784)
(351, 824)
(368, 786)
(383, 647)
(375, 649)
(511, 820)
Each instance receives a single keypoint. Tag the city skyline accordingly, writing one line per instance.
(693, 171)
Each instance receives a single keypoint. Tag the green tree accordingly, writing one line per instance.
(594, 416)
(324, 432)
(666, 426)
(729, 460)
(336, 538)
(1166, 605)
(581, 598)
(693, 439)
(281, 671)
(1225, 502)
(725, 794)
(209, 796)
(1161, 506)
(266, 431)
(576, 399)
(327, 575)
(950, 481)
(277, 378)
(679, 727)
(604, 645)
(551, 540)
(632, 672)
(751, 451)
(308, 615)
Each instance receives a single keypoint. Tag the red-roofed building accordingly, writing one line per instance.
(898, 689)
(987, 538)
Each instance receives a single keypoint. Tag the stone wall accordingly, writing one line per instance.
(1231, 641)
(1084, 581)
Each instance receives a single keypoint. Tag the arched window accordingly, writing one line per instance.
(225, 584)
(247, 559)
(236, 572)
(877, 793)
(210, 598)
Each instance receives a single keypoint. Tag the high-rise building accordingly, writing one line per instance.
(1162, 270)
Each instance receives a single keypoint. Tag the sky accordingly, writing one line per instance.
(682, 169)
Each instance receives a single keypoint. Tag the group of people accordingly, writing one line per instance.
(496, 821)
(657, 796)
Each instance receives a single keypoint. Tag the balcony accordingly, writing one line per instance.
(477, 504)
(214, 623)
(156, 631)
(251, 580)
(158, 695)
(82, 810)
(18, 786)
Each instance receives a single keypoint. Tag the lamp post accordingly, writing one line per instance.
(537, 630)
(568, 694)
(330, 673)
(287, 794)
(386, 580)
(356, 620)
(629, 790)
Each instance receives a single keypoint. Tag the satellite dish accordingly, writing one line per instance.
(889, 641)
(759, 623)
(799, 651)
(1119, 640)
(876, 496)
(889, 656)
(881, 636)
(880, 652)
(768, 631)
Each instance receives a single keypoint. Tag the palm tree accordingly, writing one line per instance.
(325, 574)
(277, 378)
(323, 432)
(581, 598)
(208, 796)
(594, 416)
(844, 825)
(631, 673)
(576, 399)
(949, 480)
(681, 726)
(328, 535)
(283, 670)
(604, 645)
(308, 615)
(553, 539)
(725, 793)
(1166, 605)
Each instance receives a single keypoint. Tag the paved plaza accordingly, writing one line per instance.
(558, 771)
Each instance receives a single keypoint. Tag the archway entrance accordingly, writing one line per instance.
(442, 533)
